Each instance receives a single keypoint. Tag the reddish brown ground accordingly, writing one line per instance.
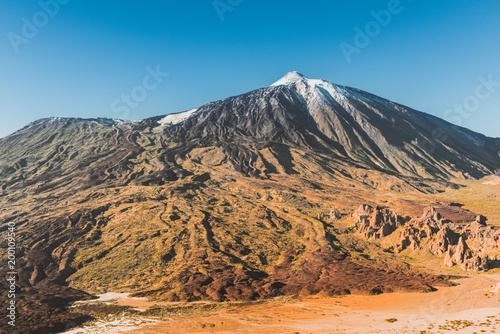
(472, 300)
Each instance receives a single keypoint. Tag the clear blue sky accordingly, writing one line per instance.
(90, 53)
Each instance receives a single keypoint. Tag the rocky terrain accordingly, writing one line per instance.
(473, 246)
(247, 198)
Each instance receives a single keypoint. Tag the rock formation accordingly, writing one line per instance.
(376, 223)
(434, 233)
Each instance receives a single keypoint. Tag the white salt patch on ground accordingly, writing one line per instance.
(105, 297)
(114, 326)
(108, 297)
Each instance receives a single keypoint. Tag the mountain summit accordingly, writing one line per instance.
(295, 78)
(290, 78)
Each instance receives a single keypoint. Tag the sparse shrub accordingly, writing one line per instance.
(209, 325)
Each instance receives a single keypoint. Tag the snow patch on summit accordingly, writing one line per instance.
(319, 93)
(289, 79)
(315, 92)
(305, 85)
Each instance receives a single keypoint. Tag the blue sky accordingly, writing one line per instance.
(441, 57)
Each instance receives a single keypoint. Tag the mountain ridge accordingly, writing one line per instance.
(344, 121)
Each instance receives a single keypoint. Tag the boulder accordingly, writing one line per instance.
(481, 220)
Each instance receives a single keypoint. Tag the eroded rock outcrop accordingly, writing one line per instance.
(465, 245)
(444, 239)
(332, 216)
(377, 223)
(463, 256)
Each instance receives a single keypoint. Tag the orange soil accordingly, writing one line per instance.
(473, 299)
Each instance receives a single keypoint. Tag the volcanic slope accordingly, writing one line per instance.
(226, 201)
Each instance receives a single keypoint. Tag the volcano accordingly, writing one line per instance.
(246, 198)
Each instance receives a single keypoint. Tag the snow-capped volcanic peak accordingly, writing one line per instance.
(289, 79)
(176, 118)
(303, 83)
(314, 91)
(295, 78)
